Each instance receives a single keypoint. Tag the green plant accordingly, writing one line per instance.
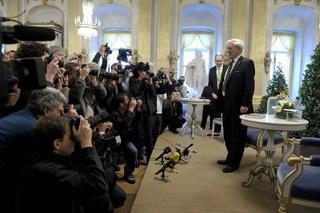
(310, 95)
(276, 85)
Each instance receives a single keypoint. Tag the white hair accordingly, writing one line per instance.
(237, 43)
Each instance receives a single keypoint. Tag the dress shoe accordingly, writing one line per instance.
(130, 179)
(222, 162)
(174, 131)
(229, 169)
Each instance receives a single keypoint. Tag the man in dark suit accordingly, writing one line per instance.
(215, 75)
(236, 92)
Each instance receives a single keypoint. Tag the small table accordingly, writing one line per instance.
(270, 124)
(193, 123)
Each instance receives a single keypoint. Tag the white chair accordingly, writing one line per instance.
(216, 121)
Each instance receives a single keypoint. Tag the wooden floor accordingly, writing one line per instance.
(200, 186)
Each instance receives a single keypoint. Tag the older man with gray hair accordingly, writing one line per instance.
(236, 96)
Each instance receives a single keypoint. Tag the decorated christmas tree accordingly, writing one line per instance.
(276, 85)
(310, 95)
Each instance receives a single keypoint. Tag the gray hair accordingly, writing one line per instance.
(237, 43)
(94, 66)
(54, 49)
(48, 98)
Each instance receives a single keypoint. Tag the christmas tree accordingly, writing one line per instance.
(276, 85)
(310, 95)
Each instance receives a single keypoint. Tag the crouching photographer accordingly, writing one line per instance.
(104, 140)
(122, 119)
(48, 175)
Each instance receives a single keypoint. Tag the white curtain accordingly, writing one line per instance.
(187, 39)
(205, 39)
(286, 39)
(116, 37)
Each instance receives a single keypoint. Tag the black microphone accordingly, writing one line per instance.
(12, 35)
(165, 151)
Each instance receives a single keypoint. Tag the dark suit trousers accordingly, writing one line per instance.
(207, 111)
(234, 137)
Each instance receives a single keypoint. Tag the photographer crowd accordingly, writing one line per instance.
(65, 129)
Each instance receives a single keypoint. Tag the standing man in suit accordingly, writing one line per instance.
(215, 74)
(236, 92)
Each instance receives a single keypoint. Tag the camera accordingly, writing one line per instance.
(30, 72)
(123, 54)
(93, 121)
(104, 142)
(49, 59)
(108, 51)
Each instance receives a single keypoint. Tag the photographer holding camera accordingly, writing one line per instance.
(15, 139)
(104, 52)
(141, 87)
(48, 175)
(123, 118)
(166, 76)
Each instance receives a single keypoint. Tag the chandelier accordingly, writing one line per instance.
(87, 27)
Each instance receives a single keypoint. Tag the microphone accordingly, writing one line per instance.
(12, 35)
(165, 151)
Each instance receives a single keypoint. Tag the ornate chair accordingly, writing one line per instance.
(257, 138)
(298, 175)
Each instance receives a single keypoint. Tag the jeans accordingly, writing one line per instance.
(131, 154)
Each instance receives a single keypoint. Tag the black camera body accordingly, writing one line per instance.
(123, 54)
(49, 59)
(93, 121)
(30, 72)
(108, 51)
(105, 142)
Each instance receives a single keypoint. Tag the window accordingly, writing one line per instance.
(116, 40)
(196, 41)
(282, 54)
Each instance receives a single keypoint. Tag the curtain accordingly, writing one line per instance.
(286, 39)
(204, 38)
(116, 37)
(187, 39)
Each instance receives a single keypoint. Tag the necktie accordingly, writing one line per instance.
(219, 69)
(226, 77)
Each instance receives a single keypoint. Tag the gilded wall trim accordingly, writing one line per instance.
(258, 40)
(163, 33)
(239, 19)
(144, 29)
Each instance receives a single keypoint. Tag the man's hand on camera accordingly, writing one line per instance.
(72, 112)
(83, 134)
(102, 50)
(93, 80)
(102, 127)
(84, 72)
(52, 70)
(139, 103)
(132, 105)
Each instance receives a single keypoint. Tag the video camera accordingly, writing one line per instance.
(123, 54)
(30, 71)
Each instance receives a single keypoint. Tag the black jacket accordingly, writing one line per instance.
(48, 184)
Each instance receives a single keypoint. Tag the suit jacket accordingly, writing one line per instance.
(239, 86)
(213, 77)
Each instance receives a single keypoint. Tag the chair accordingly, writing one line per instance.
(298, 175)
(216, 121)
(257, 138)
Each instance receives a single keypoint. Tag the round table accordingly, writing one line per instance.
(194, 102)
(270, 124)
